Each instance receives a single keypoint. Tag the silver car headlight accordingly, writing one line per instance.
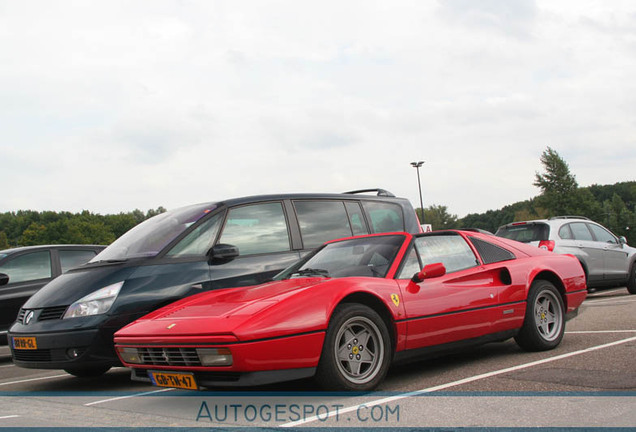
(96, 303)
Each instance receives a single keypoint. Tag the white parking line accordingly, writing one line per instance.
(456, 383)
(34, 379)
(9, 416)
(599, 331)
(611, 300)
(127, 397)
(605, 292)
(43, 378)
(9, 365)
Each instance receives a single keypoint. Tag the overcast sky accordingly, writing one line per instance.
(109, 106)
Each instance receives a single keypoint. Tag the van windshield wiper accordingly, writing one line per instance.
(311, 272)
(108, 261)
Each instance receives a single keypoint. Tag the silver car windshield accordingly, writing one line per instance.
(149, 237)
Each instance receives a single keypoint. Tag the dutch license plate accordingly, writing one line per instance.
(25, 343)
(173, 379)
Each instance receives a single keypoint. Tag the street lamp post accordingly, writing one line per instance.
(417, 166)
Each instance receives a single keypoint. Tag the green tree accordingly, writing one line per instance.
(27, 227)
(439, 218)
(557, 184)
(4, 241)
(35, 234)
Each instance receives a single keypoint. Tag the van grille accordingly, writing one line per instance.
(46, 314)
(39, 355)
(52, 313)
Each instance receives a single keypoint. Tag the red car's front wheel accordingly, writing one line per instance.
(357, 350)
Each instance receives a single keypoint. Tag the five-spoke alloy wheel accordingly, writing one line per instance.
(544, 323)
(357, 349)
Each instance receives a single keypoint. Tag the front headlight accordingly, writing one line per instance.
(129, 355)
(215, 356)
(95, 303)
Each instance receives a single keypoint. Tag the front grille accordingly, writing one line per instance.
(169, 356)
(39, 355)
(52, 313)
(46, 314)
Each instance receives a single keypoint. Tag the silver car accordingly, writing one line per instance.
(606, 259)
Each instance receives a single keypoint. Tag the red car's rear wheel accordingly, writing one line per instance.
(544, 323)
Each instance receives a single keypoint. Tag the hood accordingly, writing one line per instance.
(218, 312)
(72, 286)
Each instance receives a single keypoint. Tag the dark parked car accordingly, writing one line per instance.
(25, 270)
(238, 242)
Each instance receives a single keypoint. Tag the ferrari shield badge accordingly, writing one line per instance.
(396, 299)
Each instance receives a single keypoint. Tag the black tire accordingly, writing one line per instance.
(631, 282)
(89, 372)
(544, 322)
(357, 350)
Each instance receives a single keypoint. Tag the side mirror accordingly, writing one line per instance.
(429, 271)
(4, 279)
(223, 253)
(622, 240)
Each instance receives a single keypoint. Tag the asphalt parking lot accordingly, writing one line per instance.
(588, 381)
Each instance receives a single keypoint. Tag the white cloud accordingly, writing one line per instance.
(110, 106)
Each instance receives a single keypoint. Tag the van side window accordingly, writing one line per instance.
(28, 267)
(385, 217)
(257, 228)
(358, 225)
(321, 221)
(73, 258)
(200, 240)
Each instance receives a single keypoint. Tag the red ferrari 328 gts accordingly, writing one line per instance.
(347, 311)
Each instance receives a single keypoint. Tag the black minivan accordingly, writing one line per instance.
(69, 324)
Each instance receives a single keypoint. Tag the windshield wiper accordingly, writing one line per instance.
(108, 261)
(311, 272)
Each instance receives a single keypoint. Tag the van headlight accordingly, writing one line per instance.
(96, 303)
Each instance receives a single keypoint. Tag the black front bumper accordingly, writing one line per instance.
(73, 349)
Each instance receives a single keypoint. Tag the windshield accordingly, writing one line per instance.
(525, 232)
(365, 256)
(149, 237)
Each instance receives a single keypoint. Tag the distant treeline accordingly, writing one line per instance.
(27, 228)
(614, 206)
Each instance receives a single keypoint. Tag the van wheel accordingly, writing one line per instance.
(631, 283)
(88, 372)
(357, 350)
(544, 322)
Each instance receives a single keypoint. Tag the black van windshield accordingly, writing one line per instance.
(149, 237)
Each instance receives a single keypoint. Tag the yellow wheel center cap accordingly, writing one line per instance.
(355, 350)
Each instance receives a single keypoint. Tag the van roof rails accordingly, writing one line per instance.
(380, 192)
(569, 217)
